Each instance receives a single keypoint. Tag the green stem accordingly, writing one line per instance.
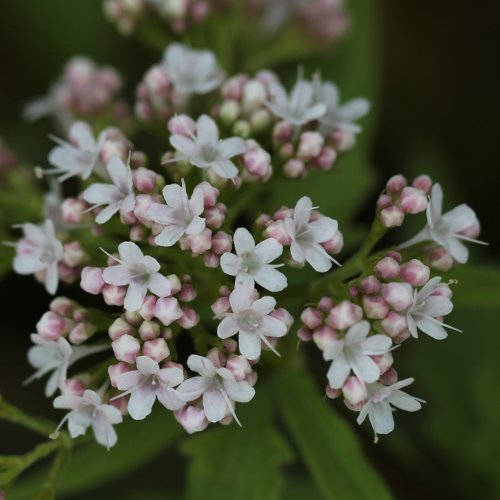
(17, 416)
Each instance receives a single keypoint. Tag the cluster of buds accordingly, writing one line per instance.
(83, 91)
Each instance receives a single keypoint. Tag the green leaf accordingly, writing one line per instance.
(327, 444)
(92, 465)
(240, 463)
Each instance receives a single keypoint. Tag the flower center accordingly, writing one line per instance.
(209, 152)
(249, 320)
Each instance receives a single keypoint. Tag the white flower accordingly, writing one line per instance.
(192, 71)
(117, 196)
(298, 108)
(217, 386)
(39, 250)
(307, 236)
(78, 158)
(353, 353)
(445, 229)
(206, 150)
(339, 116)
(137, 271)
(148, 383)
(88, 410)
(180, 216)
(255, 261)
(426, 308)
(378, 407)
(55, 356)
(250, 319)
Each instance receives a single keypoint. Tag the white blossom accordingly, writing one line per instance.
(354, 352)
(251, 320)
(149, 383)
(55, 356)
(192, 71)
(445, 229)
(426, 308)
(87, 411)
(117, 196)
(378, 406)
(39, 250)
(307, 236)
(206, 150)
(137, 271)
(180, 215)
(217, 386)
(255, 261)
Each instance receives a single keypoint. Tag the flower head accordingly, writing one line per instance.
(354, 352)
(180, 215)
(88, 410)
(307, 236)
(251, 320)
(206, 150)
(137, 271)
(255, 261)
(117, 196)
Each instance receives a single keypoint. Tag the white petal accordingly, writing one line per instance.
(214, 404)
(249, 344)
(230, 264)
(323, 229)
(159, 285)
(192, 388)
(457, 250)
(243, 241)
(381, 418)
(206, 130)
(228, 327)
(270, 279)
(224, 168)
(104, 432)
(377, 345)
(169, 399)
(404, 401)
(129, 380)
(242, 392)
(272, 327)
(170, 236)
(100, 194)
(232, 147)
(141, 401)
(358, 332)
(200, 364)
(136, 292)
(268, 250)
(297, 252)
(117, 275)
(365, 368)
(106, 214)
(196, 226)
(317, 257)
(120, 173)
(438, 306)
(432, 328)
(185, 145)
(147, 366)
(52, 278)
(264, 305)
(338, 372)
(241, 297)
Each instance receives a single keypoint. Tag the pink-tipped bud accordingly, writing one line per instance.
(384, 361)
(91, 280)
(222, 242)
(413, 200)
(325, 304)
(118, 328)
(277, 231)
(74, 387)
(73, 254)
(114, 295)
(394, 323)
(144, 179)
(126, 348)
(156, 349)
(332, 393)
(423, 182)
(133, 318)
(233, 88)
(398, 295)
(439, 259)
(230, 345)
(210, 194)
(200, 243)
(143, 203)
(294, 168)
(343, 140)
(344, 315)
(220, 307)
(384, 201)
(284, 316)
(187, 293)
(304, 334)
(415, 272)
(189, 319)
(114, 371)
(401, 337)
(146, 310)
(182, 125)
(387, 268)
(310, 145)
(73, 210)
(215, 216)
(325, 160)
(311, 317)
(370, 285)
(394, 255)
(389, 377)
(257, 162)
(167, 310)
(283, 132)
(217, 357)
(354, 391)
(443, 290)
(175, 283)
(192, 419)
(323, 336)
(263, 220)
(52, 326)
(211, 260)
(375, 307)
(63, 306)
(81, 332)
(149, 330)
(396, 184)
(392, 217)
(239, 367)
(334, 245)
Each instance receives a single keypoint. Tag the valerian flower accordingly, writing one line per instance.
(39, 250)
(427, 310)
(192, 71)
(255, 261)
(307, 236)
(139, 273)
(206, 150)
(251, 320)
(87, 411)
(117, 196)
(378, 406)
(447, 230)
(180, 215)
(218, 387)
(354, 352)
(149, 383)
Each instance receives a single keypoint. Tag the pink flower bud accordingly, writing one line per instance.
(440, 260)
(375, 307)
(413, 200)
(52, 326)
(354, 391)
(294, 168)
(396, 184)
(167, 310)
(143, 203)
(146, 310)
(73, 254)
(398, 295)
(63, 306)
(215, 216)
(257, 162)
(200, 243)
(284, 213)
(443, 290)
(423, 182)
(175, 283)
(304, 334)
(91, 280)
(392, 217)
(144, 179)
(393, 324)
(389, 377)
(343, 140)
(254, 95)
(181, 125)
(387, 268)
(126, 348)
(325, 304)
(311, 317)
(230, 345)
(283, 132)
(192, 419)
(384, 201)
(187, 293)
(310, 145)
(263, 220)
(217, 357)
(370, 285)
(284, 316)
(394, 255)
(220, 307)
(114, 371)
(277, 231)
(118, 328)
(73, 210)
(384, 361)
(344, 315)
(73, 386)
(239, 367)
(210, 194)
(189, 319)
(211, 260)
(222, 242)
(149, 330)
(127, 218)
(133, 318)
(334, 245)
(81, 332)
(323, 336)
(233, 88)
(401, 337)
(114, 295)
(156, 349)
(415, 272)
(332, 393)
(325, 160)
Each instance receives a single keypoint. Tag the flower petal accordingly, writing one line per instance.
(228, 327)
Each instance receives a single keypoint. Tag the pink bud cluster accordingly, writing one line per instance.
(400, 199)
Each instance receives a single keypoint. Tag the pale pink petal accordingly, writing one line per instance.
(159, 285)
(141, 401)
(214, 404)
(249, 344)
(228, 327)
